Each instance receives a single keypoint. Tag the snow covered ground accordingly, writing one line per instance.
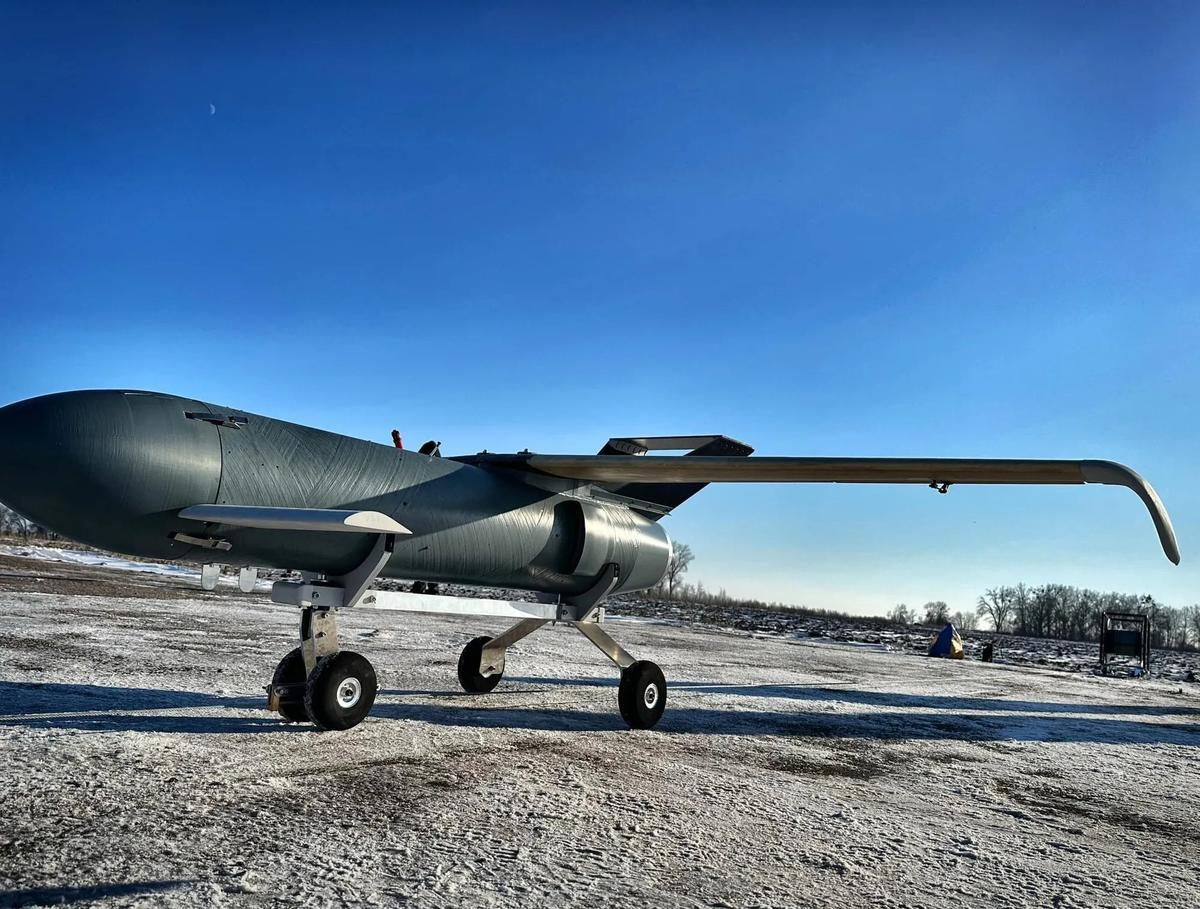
(139, 768)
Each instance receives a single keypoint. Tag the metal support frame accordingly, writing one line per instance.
(588, 601)
(1124, 634)
(491, 661)
(320, 599)
(318, 636)
(358, 581)
(353, 589)
(584, 611)
(592, 614)
(319, 602)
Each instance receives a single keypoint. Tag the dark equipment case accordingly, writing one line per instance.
(1124, 634)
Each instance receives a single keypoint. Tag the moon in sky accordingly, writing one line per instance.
(212, 109)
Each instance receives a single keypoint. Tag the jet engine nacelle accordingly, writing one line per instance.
(601, 534)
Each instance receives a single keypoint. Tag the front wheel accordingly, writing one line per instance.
(341, 690)
(642, 696)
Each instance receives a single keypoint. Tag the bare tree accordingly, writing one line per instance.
(681, 558)
(937, 612)
(1191, 621)
(964, 621)
(997, 604)
(901, 614)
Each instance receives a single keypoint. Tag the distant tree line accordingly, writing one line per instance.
(1060, 611)
(1074, 614)
(935, 612)
(1049, 611)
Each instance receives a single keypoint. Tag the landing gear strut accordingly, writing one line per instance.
(318, 683)
(335, 689)
(642, 695)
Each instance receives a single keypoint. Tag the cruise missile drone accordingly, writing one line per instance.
(166, 477)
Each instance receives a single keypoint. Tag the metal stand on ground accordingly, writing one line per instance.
(1124, 634)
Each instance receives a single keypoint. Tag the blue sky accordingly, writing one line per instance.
(854, 230)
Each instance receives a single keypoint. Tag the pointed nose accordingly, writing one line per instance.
(108, 468)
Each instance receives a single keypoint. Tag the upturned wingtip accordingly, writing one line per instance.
(1113, 474)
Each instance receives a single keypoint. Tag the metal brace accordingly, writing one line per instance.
(583, 606)
(338, 591)
(610, 648)
(587, 623)
(189, 539)
(318, 623)
(584, 611)
(318, 636)
(491, 661)
(358, 581)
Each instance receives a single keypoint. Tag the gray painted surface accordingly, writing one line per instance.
(114, 468)
(108, 468)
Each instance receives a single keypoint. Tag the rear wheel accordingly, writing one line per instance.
(290, 671)
(341, 690)
(469, 676)
(642, 696)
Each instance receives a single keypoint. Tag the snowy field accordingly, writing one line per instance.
(139, 768)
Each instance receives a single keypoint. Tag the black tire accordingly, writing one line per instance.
(642, 696)
(341, 690)
(290, 671)
(468, 669)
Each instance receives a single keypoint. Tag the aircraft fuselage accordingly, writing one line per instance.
(114, 468)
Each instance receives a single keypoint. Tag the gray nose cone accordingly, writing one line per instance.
(108, 468)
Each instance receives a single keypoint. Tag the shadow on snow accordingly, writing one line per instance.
(887, 698)
(906, 717)
(101, 708)
(62, 896)
(914, 720)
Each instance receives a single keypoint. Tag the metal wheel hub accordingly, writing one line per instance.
(349, 692)
(650, 696)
